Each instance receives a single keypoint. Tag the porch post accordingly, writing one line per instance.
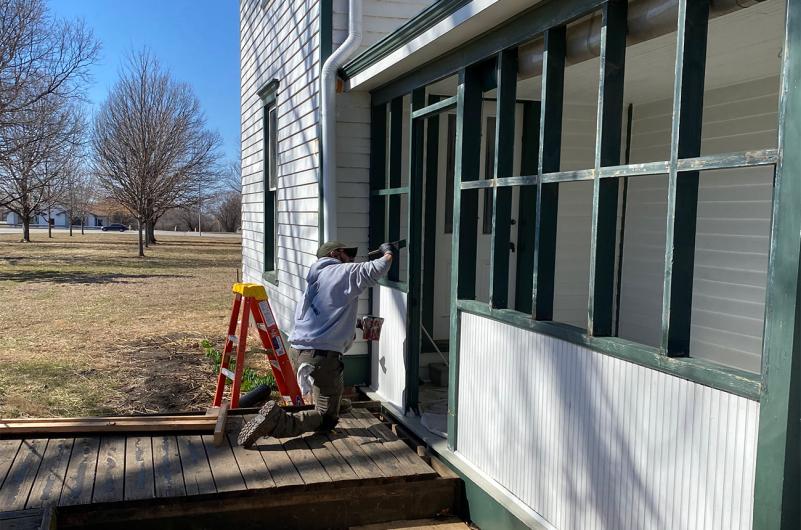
(778, 469)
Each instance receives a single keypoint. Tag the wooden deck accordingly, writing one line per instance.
(105, 479)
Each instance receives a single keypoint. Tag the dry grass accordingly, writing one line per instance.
(86, 327)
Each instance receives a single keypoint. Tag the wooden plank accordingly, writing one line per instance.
(88, 425)
(251, 464)
(223, 465)
(335, 465)
(23, 520)
(219, 426)
(408, 458)
(281, 467)
(309, 468)
(49, 481)
(80, 478)
(195, 464)
(527, 208)
(682, 196)
(8, 450)
(350, 450)
(18, 483)
(550, 145)
(139, 480)
(356, 430)
(600, 304)
(503, 167)
(110, 478)
(167, 470)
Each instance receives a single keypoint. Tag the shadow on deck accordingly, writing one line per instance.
(361, 473)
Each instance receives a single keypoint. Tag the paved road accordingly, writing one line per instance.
(133, 233)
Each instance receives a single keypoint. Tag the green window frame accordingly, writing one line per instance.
(270, 176)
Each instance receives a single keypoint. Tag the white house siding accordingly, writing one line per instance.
(388, 377)
(593, 442)
(281, 41)
(379, 17)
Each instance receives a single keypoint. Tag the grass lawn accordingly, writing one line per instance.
(87, 327)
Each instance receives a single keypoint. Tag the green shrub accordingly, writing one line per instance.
(250, 378)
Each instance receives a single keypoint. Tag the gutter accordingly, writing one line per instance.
(328, 91)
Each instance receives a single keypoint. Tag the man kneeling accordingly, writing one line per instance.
(325, 321)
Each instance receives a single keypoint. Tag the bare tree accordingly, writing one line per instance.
(152, 150)
(228, 201)
(41, 58)
(79, 195)
(32, 172)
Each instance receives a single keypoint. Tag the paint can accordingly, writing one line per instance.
(371, 327)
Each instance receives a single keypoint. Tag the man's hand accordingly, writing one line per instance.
(389, 249)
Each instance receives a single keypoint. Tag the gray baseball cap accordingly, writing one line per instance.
(329, 246)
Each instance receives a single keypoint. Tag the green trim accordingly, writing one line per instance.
(415, 236)
(519, 29)
(601, 301)
(357, 369)
(378, 179)
(526, 211)
(778, 467)
(395, 168)
(731, 380)
(430, 224)
(268, 92)
(503, 166)
(400, 286)
(549, 156)
(416, 26)
(682, 197)
(623, 210)
(270, 277)
(435, 106)
(403, 190)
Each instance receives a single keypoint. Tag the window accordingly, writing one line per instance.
(270, 150)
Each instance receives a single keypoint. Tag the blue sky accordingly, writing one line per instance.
(197, 40)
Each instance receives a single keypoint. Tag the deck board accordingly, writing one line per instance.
(80, 478)
(167, 471)
(110, 478)
(197, 473)
(281, 468)
(111, 468)
(252, 466)
(8, 451)
(409, 460)
(309, 468)
(49, 480)
(19, 481)
(224, 468)
(386, 461)
(139, 468)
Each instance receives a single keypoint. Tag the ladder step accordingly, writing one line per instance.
(227, 373)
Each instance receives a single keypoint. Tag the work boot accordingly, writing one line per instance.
(262, 425)
(344, 405)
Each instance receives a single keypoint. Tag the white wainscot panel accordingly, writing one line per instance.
(593, 442)
(388, 360)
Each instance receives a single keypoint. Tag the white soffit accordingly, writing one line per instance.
(471, 20)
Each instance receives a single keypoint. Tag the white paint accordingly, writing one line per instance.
(389, 358)
(589, 441)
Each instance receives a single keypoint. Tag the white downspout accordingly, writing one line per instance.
(328, 91)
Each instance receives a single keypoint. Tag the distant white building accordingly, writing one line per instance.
(59, 217)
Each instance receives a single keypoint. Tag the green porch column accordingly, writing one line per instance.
(777, 494)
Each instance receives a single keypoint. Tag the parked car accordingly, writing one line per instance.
(116, 227)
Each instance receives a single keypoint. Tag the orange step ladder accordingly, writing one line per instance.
(252, 298)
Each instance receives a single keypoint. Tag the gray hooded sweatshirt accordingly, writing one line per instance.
(326, 317)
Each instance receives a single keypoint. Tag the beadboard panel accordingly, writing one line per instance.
(593, 442)
(389, 359)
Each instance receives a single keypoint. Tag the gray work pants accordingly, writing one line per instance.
(328, 386)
